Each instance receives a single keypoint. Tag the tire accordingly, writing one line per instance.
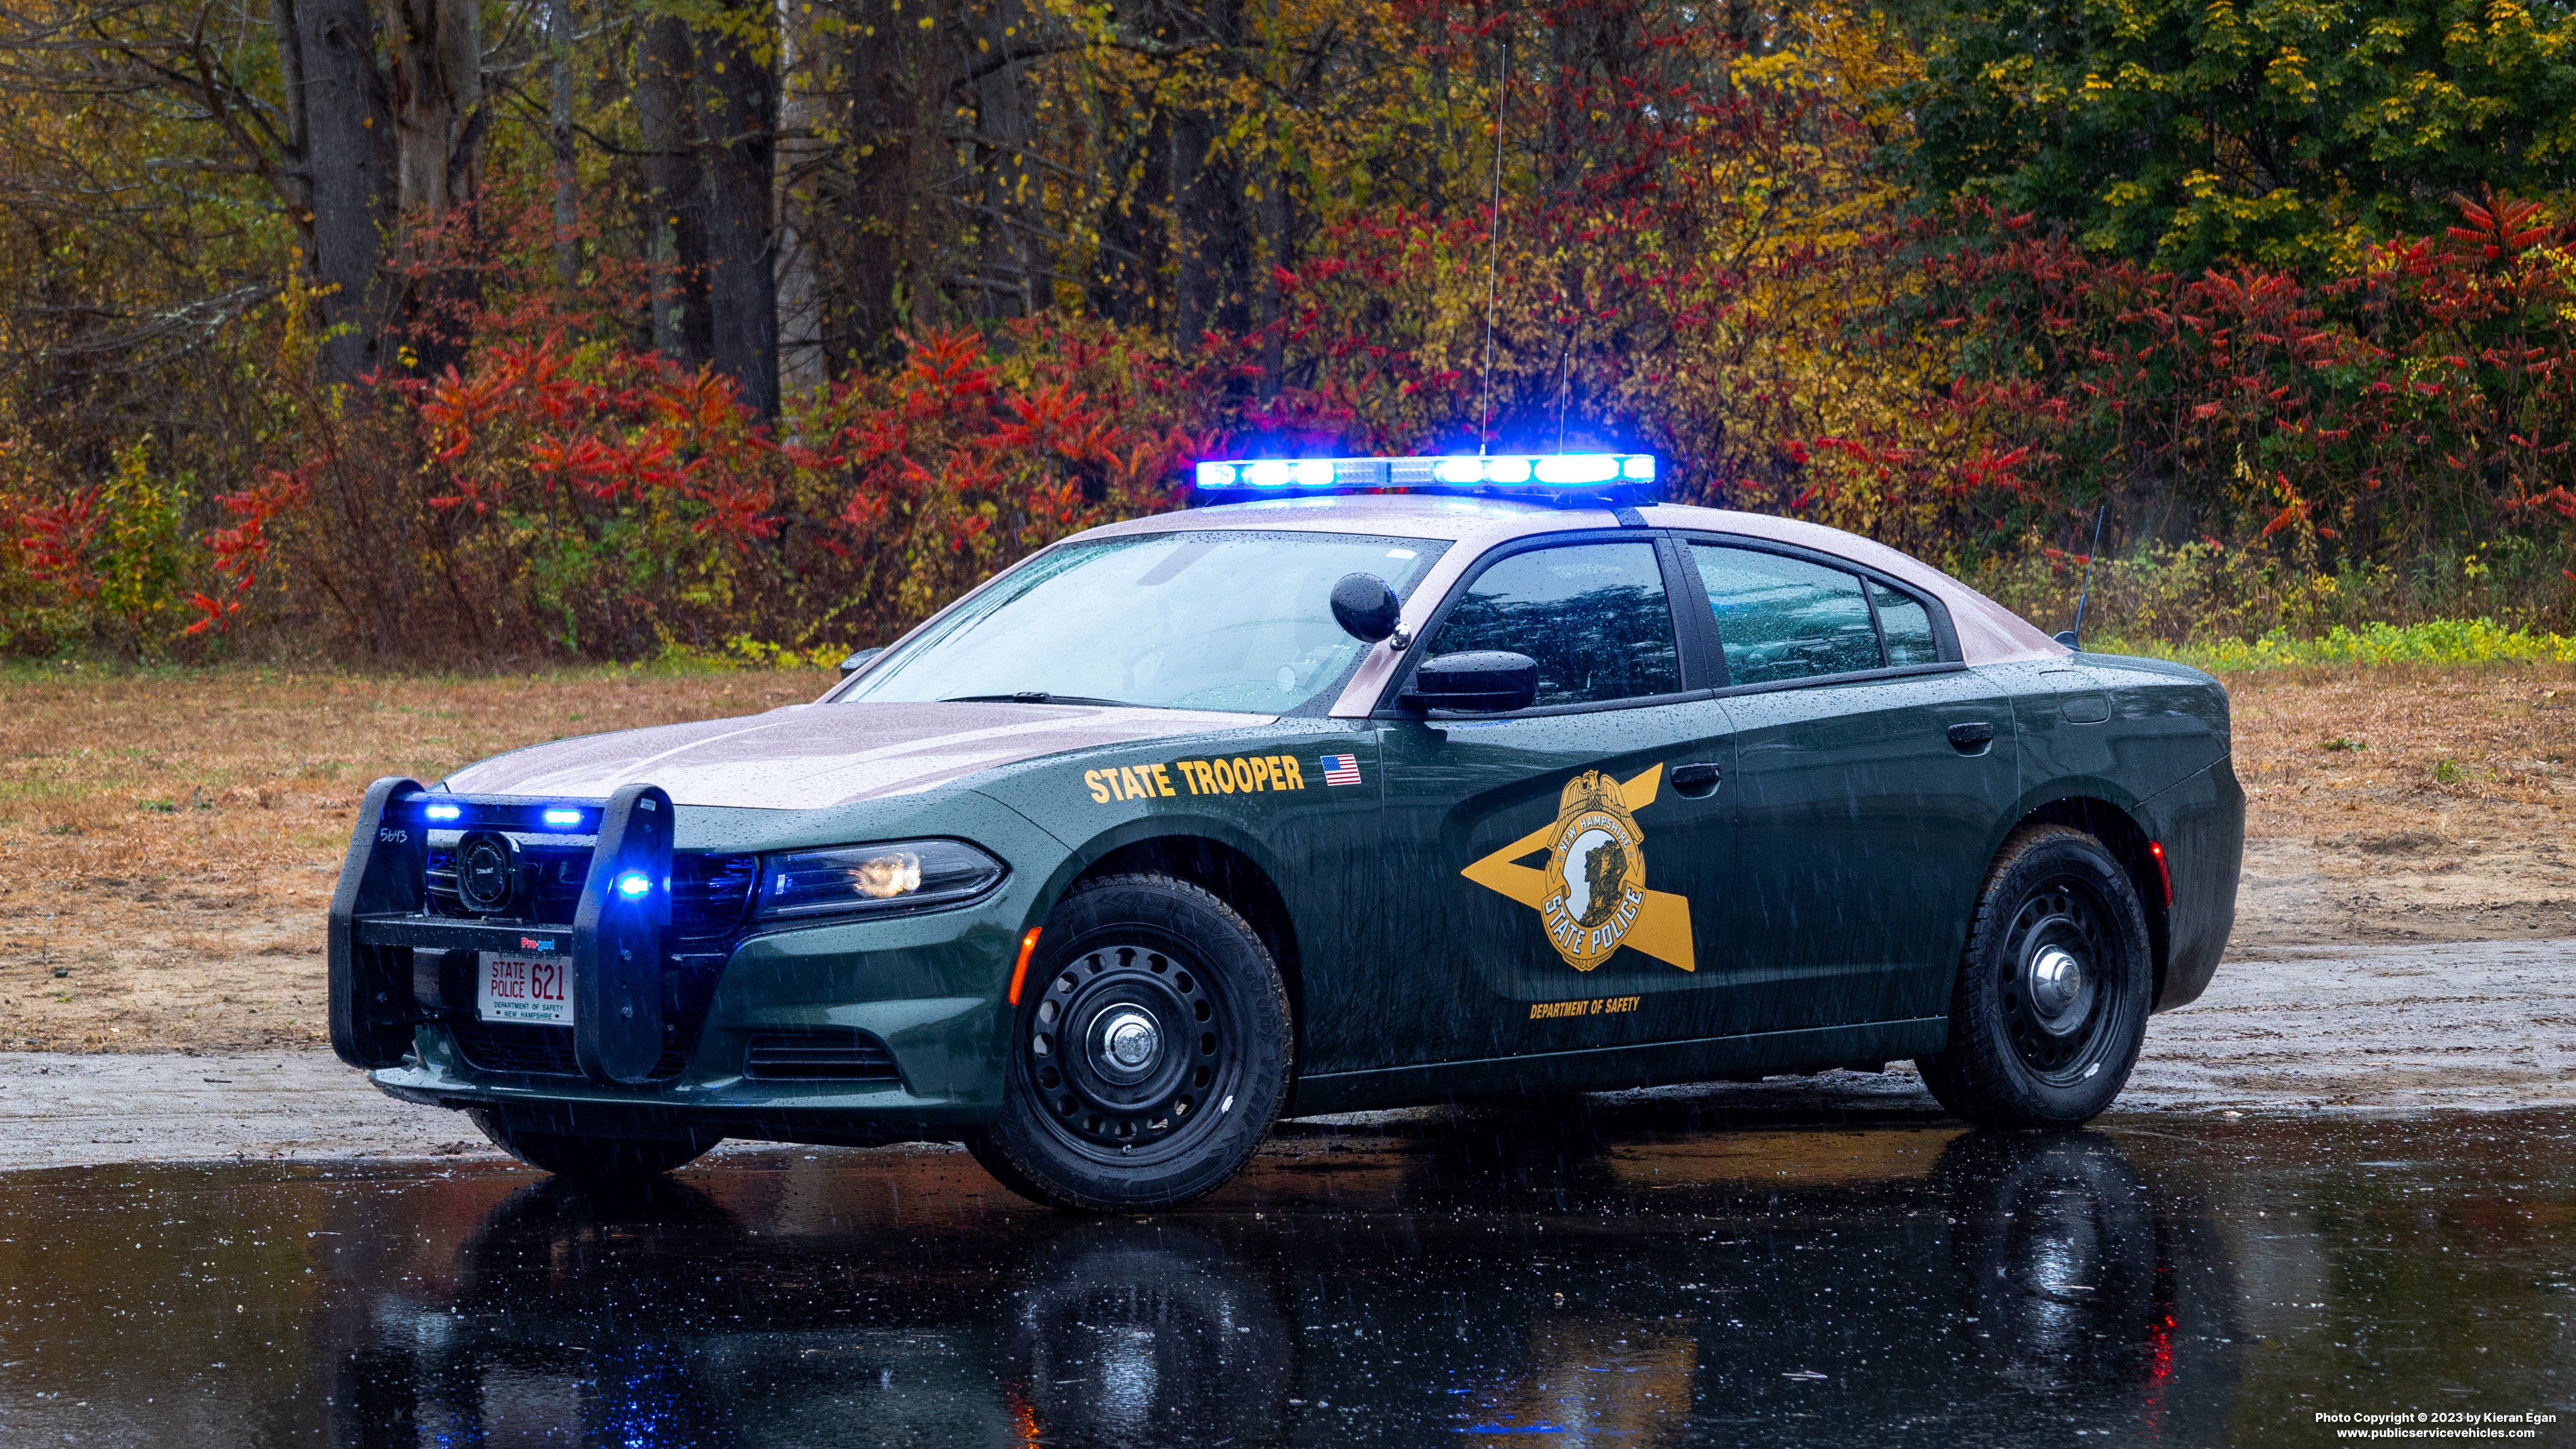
(2036, 1047)
(589, 1158)
(1194, 1000)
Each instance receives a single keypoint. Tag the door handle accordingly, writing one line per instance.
(1970, 738)
(1696, 780)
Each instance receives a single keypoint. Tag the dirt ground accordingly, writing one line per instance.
(168, 843)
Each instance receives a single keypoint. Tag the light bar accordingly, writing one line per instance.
(563, 817)
(1587, 477)
(444, 812)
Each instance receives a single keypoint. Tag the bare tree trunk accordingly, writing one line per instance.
(1011, 275)
(567, 169)
(801, 365)
(740, 105)
(1214, 238)
(676, 199)
(436, 85)
(345, 135)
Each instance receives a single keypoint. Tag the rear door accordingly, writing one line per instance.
(1871, 771)
(1546, 865)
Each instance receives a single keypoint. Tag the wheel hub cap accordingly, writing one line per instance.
(2057, 983)
(1126, 1043)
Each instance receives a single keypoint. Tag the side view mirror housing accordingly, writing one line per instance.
(2067, 638)
(858, 661)
(1366, 607)
(1484, 681)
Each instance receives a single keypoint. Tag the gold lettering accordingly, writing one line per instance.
(1224, 773)
(1296, 776)
(1162, 780)
(1130, 788)
(1260, 772)
(1099, 792)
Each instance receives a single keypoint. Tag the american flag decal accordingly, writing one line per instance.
(1341, 769)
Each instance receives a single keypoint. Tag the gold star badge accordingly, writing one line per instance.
(1592, 897)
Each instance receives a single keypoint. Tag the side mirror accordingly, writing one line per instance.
(2067, 638)
(1365, 607)
(1484, 681)
(858, 661)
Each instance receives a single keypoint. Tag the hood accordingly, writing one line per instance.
(807, 756)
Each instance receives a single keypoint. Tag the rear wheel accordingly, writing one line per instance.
(585, 1157)
(1151, 1055)
(2051, 1001)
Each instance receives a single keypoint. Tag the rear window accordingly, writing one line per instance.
(1781, 618)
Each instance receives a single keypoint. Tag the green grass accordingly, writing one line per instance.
(2443, 641)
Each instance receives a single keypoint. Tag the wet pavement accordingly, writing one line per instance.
(1652, 1271)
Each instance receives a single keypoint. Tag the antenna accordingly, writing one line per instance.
(1493, 245)
(2071, 636)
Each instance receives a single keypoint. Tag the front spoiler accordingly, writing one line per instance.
(829, 1114)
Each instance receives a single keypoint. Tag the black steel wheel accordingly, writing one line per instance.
(1151, 1054)
(2053, 989)
(585, 1156)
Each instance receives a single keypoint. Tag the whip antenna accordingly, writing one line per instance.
(2070, 637)
(1493, 243)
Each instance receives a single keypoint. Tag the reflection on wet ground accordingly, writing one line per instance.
(1627, 1275)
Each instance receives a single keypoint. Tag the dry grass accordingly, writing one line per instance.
(169, 841)
(2408, 802)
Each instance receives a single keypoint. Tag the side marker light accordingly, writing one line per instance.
(2163, 873)
(445, 812)
(1020, 972)
(563, 817)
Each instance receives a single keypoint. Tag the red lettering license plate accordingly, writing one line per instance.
(533, 989)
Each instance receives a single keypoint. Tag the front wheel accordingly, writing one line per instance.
(1151, 1054)
(2051, 1002)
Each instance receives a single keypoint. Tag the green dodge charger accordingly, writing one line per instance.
(1374, 782)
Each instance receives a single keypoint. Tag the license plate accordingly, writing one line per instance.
(524, 989)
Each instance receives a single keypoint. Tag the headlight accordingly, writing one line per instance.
(901, 875)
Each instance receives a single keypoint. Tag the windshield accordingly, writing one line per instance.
(1216, 620)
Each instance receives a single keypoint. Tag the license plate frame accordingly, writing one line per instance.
(523, 990)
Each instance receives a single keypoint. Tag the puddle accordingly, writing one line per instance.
(1614, 1278)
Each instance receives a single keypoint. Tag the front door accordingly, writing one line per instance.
(1553, 865)
(1871, 773)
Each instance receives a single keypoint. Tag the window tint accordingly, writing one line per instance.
(1593, 615)
(1785, 618)
(1907, 626)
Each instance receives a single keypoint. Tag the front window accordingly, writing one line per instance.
(1221, 620)
(1593, 616)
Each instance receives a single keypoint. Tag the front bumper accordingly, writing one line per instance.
(928, 987)
(919, 997)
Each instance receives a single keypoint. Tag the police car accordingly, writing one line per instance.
(1372, 782)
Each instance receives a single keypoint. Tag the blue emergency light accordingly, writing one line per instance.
(1571, 478)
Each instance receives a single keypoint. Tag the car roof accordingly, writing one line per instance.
(1988, 632)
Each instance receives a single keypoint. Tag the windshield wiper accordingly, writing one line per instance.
(1040, 696)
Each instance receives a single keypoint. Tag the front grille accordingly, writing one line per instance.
(519, 1049)
(709, 893)
(818, 1056)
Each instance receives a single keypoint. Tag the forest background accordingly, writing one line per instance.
(450, 332)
